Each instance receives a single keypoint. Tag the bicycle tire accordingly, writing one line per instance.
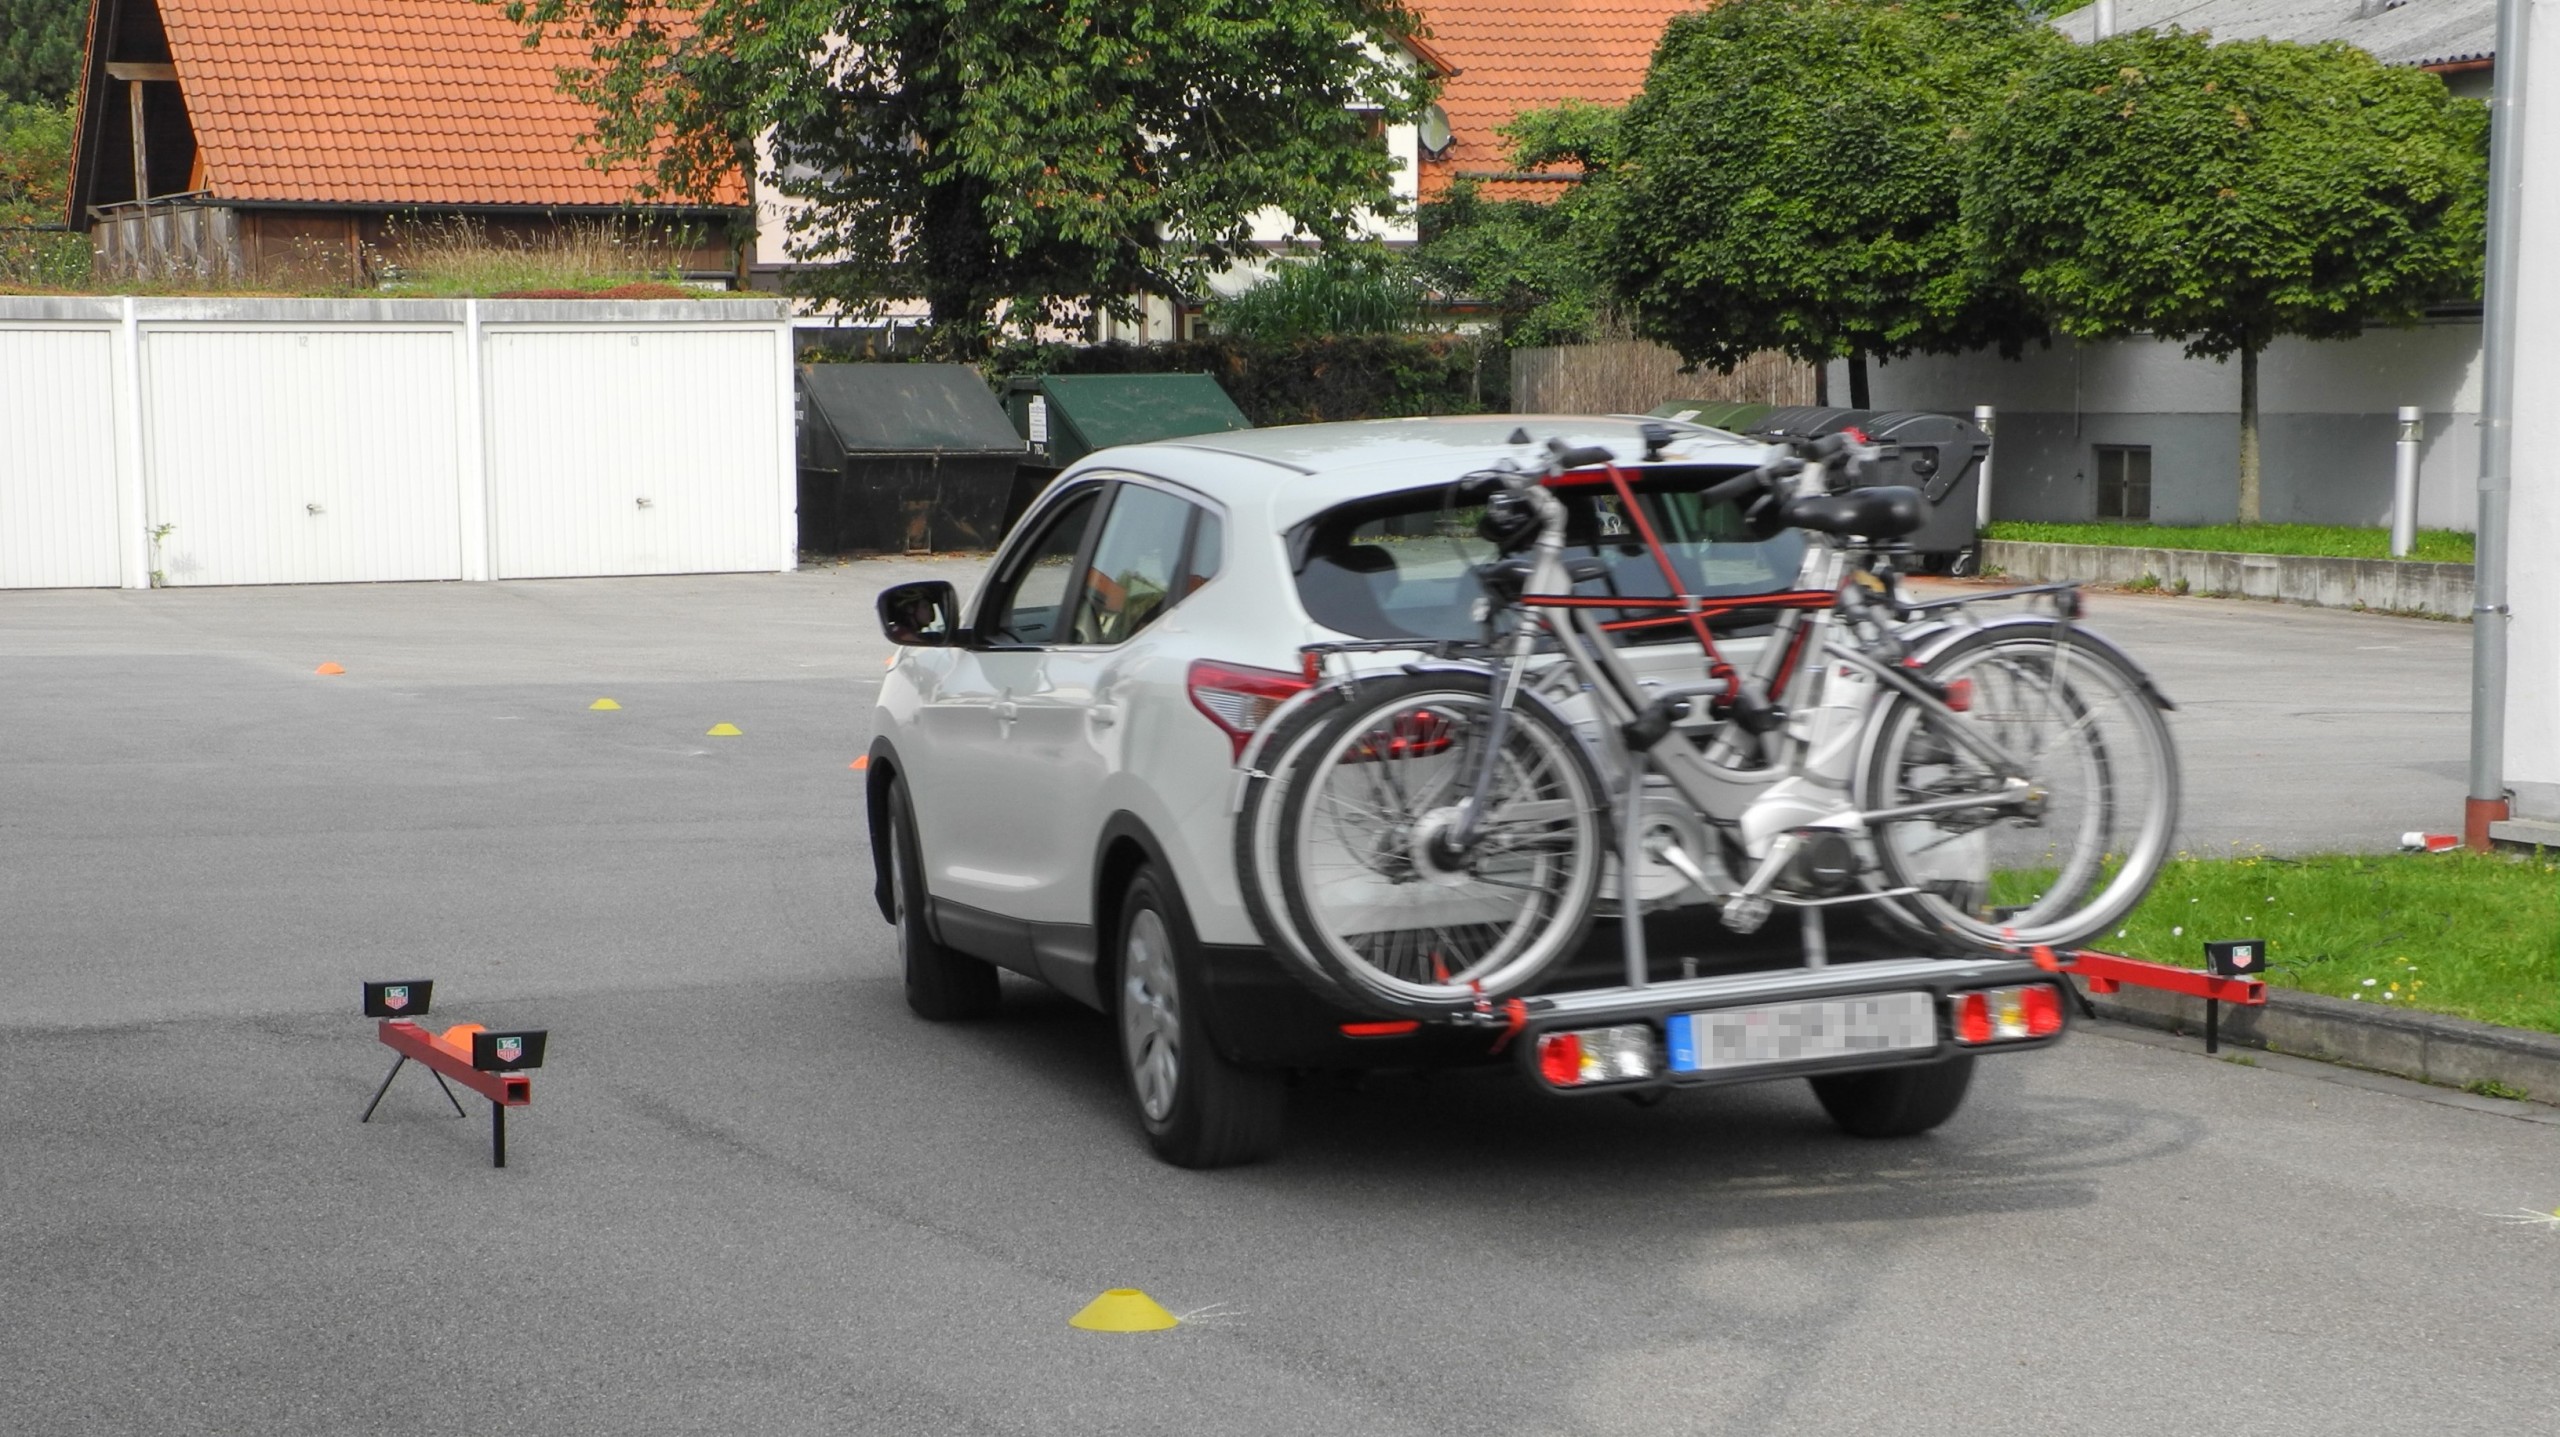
(2097, 747)
(1257, 840)
(1391, 917)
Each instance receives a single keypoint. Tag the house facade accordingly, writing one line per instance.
(287, 142)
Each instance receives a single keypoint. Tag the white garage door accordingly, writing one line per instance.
(667, 465)
(57, 459)
(280, 457)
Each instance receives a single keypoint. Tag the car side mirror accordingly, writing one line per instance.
(922, 614)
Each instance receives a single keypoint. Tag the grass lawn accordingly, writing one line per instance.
(2439, 546)
(2475, 935)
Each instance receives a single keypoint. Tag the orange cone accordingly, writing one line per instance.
(332, 667)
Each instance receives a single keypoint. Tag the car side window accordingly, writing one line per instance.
(1032, 609)
(1137, 568)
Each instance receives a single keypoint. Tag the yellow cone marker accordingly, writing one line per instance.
(1124, 1309)
(723, 730)
(604, 704)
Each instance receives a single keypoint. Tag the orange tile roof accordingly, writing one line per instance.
(401, 102)
(1515, 55)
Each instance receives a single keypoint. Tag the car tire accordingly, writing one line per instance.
(1896, 1102)
(943, 984)
(1198, 1109)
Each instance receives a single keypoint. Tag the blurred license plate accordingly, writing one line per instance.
(1795, 1032)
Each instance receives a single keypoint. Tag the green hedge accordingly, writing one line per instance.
(1372, 376)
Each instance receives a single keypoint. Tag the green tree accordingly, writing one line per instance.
(2228, 194)
(1006, 160)
(1533, 261)
(40, 48)
(1790, 178)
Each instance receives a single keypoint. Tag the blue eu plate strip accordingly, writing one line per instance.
(1680, 1030)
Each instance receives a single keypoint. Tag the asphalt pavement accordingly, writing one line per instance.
(753, 1195)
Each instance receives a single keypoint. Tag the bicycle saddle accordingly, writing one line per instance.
(1887, 511)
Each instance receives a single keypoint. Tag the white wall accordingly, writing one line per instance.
(217, 441)
(2533, 541)
(2325, 410)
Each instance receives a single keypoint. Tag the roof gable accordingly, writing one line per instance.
(382, 102)
(1515, 55)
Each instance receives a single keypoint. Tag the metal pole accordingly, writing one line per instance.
(2487, 802)
(2106, 19)
(2404, 483)
(1983, 419)
(497, 1135)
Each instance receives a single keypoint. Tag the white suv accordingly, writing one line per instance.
(1054, 774)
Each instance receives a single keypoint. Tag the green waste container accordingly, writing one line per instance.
(1064, 417)
(897, 458)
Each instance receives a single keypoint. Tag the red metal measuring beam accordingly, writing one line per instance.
(2107, 972)
(510, 1090)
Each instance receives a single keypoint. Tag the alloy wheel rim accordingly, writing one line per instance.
(1151, 1015)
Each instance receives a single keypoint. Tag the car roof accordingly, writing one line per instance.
(1292, 471)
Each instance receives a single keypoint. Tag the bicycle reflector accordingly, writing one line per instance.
(1237, 699)
(2008, 1015)
(1585, 1056)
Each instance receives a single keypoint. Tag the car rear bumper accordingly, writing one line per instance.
(1262, 1016)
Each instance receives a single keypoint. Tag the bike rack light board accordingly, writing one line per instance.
(489, 1063)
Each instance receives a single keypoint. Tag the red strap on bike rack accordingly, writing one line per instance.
(1515, 1015)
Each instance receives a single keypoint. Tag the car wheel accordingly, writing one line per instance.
(1896, 1102)
(1199, 1110)
(942, 983)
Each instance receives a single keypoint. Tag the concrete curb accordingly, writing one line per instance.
(2393, 585)
(2411, 1044)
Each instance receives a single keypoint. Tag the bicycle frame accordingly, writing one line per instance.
(1818, 747)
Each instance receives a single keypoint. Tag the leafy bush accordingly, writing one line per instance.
(35, 176)
(1308, 299)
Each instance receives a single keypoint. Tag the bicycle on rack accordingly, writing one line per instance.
(1431, 827)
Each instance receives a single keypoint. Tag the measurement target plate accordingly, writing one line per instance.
(1796, 1032)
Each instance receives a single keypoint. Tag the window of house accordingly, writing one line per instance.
(2124, 481)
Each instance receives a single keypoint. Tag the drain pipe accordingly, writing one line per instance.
(2487, 802)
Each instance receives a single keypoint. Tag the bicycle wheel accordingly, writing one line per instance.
(2094, 746)
(1372, 887)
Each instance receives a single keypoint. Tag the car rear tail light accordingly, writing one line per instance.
(1973, 1018)
(1237, 699)
(2008, 1015)
(1627, 1053)
(2044, 1011)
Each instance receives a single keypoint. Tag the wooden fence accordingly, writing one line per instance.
(1631, 377)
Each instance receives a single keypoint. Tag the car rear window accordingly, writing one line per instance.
(1404, 566)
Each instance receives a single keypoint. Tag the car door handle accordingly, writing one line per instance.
(1104, 715)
